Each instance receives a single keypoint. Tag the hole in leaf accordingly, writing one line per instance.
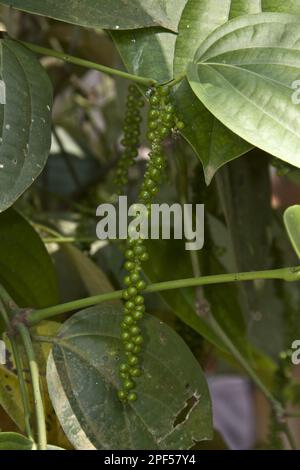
(184, 413)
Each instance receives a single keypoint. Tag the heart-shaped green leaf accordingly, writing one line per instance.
(119, 14)
(214, 143)
(26, 269)
(244, 74)
(25, 120)
(151, 52)
(173, 409)
(292, 225)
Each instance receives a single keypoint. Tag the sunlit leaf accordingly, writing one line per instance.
(243, 75)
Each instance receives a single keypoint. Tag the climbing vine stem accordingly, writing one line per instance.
(88, 64)
(34, 374)
(4, 298)
(285, 274)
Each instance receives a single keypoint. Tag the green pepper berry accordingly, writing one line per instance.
(122, 395)
(144, 196)
(140, 308)
(129, 254)
(150, 184)
(132, 397)
(154, 100)
(150, 136)
(139, 249)
(125, 295)
(124, 375)
(128, 320)
(144, 257)
(129, 305)
(129, 265)
(153, 114)
(141, 285)
(132, 291)
(153, 125)
(158, 160)
(137, 349)
(124, 325)
(169, 108)
(139, 300)
(155, 174)
(131, 242)
(129, 346)
(128, 384)
(127, 280)
(154, 191)
(134, 277)
(135, 330)
(124, 367)
(125, 336)
(133, 360)
(168, 118)
(135, 372)
(138, 340)
(137, 315)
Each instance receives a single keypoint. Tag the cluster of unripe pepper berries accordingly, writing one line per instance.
(161, 120)
(131, 138)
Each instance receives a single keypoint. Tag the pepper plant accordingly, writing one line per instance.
(111, 370)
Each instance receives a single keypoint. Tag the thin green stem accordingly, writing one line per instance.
(69, 239)
(285, 274)
(19, 366)
(35, 380)
(23, 388)
(176, 80)
(58, 238)
(88, 64)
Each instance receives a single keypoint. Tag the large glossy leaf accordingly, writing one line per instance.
(249, 87)
(213, 142)
(173, 408)
(150, 51)
(119, 14)
(292, 225)
(26, 269)
(25, 121)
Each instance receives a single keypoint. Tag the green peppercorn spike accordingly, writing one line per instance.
(162, 120)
